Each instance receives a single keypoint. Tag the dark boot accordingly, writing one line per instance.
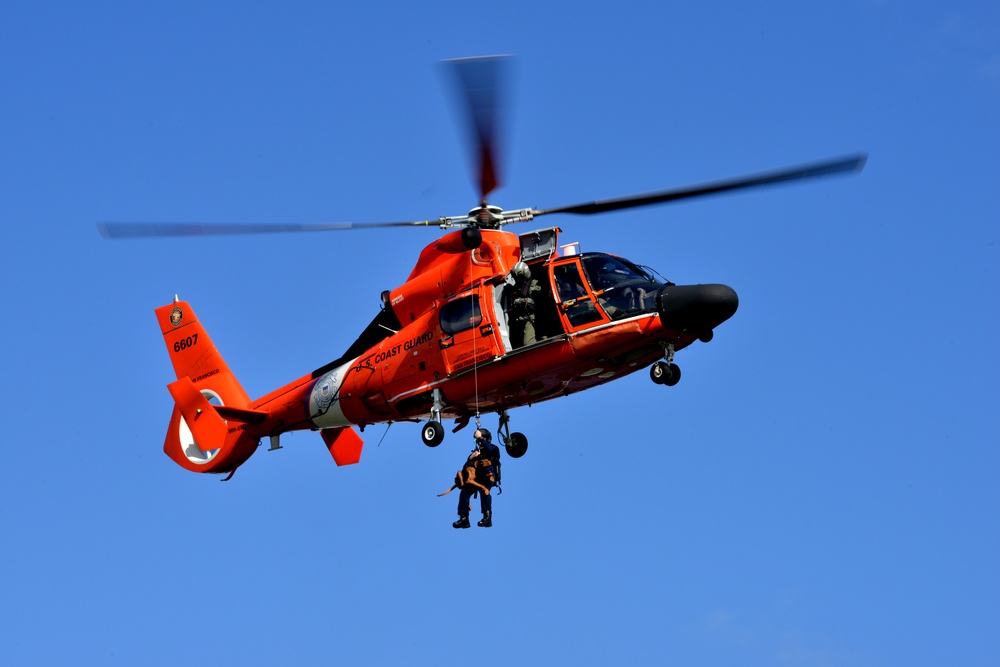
(487, 520)
(463, 521)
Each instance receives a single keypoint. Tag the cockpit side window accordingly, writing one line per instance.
(568, 282)
(605, 271)
(576, 303)
(622, 288)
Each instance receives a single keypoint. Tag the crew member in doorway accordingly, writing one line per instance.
(522, 308)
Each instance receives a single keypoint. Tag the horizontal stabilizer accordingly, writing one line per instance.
(240, 415)
(344, 444)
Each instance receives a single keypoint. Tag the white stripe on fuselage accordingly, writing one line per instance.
(324, 398)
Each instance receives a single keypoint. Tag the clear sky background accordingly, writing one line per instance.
(820, 489)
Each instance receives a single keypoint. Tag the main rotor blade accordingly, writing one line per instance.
(848, 164)
(133, 230)
(480, 82)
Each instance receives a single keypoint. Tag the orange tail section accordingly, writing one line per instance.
(207, 394)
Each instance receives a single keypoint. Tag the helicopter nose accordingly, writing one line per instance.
(696, 309)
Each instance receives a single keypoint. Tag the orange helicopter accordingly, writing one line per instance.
(487, 321)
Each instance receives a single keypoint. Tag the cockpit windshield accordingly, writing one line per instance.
(622, 288)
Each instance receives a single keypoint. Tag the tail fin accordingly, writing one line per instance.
(199, 438)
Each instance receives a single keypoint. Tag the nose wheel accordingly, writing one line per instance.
(663, 373)
(666, 372)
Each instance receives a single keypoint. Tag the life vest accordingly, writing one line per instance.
(488, 465)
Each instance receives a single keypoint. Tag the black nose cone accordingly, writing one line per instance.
(696, 309)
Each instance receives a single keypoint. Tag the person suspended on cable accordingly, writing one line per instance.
(480, 473)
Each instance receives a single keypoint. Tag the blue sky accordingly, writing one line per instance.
(820, 488)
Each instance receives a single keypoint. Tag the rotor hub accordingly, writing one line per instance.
(486, 217)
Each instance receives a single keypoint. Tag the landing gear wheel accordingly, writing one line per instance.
(432, 434)
(517, 445)
(674, 377)
(661, 371)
